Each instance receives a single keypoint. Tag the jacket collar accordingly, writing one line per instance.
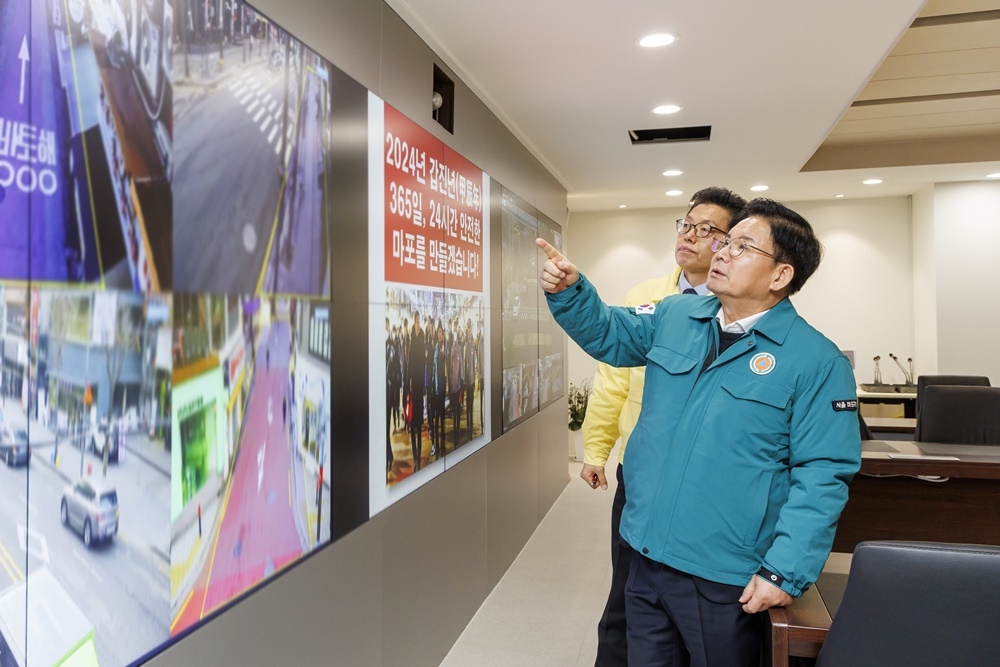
(774, 325)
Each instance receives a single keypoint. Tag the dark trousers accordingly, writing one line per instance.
(388, 435)
(612, 646)
(455, 404)
(470, 391)
(416, 430)
(678, 620)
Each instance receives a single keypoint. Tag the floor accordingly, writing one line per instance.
(545, 610)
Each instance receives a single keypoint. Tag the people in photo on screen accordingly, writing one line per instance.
(438, 358)
(469, 373)
(455, 365)
(416, 372)
(737, 478)
(616, 395)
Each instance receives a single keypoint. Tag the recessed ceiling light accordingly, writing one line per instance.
(665, 109)
(622, 206)
(674, 193)
(657, 39)
(758, 188)
(839, 196)
(993, 175)
(872, 181)
(673, 172)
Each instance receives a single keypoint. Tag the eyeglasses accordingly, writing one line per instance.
(702, 230)
(737, 246)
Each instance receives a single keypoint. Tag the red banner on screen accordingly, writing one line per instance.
(433, 210)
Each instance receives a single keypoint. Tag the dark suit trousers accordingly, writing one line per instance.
(612, 647)
(678, 620)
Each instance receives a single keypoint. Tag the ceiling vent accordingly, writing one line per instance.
(670, 135)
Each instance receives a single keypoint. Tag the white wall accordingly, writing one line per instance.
(616, 250)
(967, 252)
(925, 311)
(861, 297)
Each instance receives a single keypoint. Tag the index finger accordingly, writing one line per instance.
(549, 250)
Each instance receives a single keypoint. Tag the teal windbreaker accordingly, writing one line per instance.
(742, 465)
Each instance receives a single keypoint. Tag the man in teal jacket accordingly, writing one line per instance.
(739, 464)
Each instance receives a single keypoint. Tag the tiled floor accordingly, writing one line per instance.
(544, 611)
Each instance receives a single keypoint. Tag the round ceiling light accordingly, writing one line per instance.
(665, 109)
(657, 39)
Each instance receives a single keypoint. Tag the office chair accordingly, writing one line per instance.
(918, 604)
(924, 381)
(960, 415)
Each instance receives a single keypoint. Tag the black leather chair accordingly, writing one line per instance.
(960, 415)
(924, 381)
(917, 604)
(866, 433)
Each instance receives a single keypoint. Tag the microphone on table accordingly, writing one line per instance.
(906, 376)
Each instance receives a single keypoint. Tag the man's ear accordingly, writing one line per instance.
(782, 277)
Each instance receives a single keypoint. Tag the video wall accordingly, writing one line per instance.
(210, 290)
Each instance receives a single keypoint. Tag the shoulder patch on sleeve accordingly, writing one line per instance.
(841, 406)
(645, 309)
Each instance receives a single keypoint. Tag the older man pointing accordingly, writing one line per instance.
(739, 463)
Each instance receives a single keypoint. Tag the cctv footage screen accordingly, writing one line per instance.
(173, 175)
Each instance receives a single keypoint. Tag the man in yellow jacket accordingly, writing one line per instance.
(616, 398)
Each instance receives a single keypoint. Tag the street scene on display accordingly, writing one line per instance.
(85, 513)
(85, 142)
(250, 463)
(435, 352)
(252, 211)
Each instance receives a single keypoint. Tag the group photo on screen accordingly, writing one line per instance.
(434, 351)
(250, 463)
(252, 175)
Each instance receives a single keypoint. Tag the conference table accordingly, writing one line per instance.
(904, 491)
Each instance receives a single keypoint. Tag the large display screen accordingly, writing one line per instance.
(429, 286)
(176, 179)
(250, 436)
(89, 395)
(550, 335)
(520, 297)
(86, 110)
(252, 176)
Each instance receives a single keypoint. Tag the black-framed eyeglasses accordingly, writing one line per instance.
(737, 246)
(702, 230)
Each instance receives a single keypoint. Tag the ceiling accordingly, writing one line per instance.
(809, 98)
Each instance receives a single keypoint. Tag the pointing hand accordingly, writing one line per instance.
(558, 273)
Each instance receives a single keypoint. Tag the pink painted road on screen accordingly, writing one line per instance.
(257, 534)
